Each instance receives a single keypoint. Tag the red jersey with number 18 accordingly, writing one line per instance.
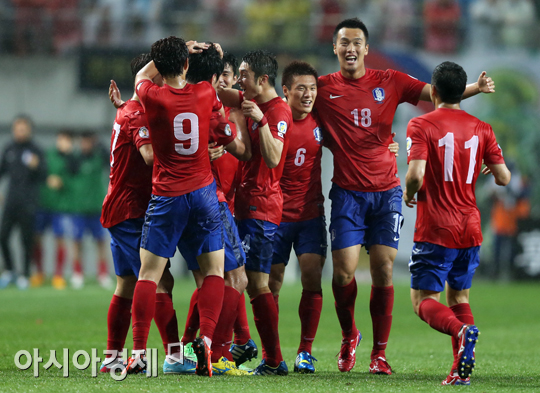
(301, 180)
(179, 121)
(454, 144)
(357, 116)
(130, 179)
(259, 195)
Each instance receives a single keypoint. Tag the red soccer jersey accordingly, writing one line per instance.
(259, 195)
(357, 115)
(179, 121)
(130, 179)
(454, 144)
(223, 132)
(301, 180)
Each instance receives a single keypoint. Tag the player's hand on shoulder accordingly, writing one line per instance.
(196, 47)
(409, 201)
(251, 109)
(485, 83)
(114, 95)
(215, 152)
(394, 146)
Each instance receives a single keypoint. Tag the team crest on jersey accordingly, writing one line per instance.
(378, 94)
(282, 129)
(409, 144)
(254, 126)
(228, 131)
(143, 132)
(318, 135)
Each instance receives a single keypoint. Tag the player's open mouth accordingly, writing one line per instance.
(351, 59)
(307, 104)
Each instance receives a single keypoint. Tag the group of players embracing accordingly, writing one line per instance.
(233, 180)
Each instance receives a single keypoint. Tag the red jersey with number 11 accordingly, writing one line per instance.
(454, 144)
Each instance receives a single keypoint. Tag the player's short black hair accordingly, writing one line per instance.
(352, 23)
(24, 117)
(450, 80)
(202, 66)
(297, 68)
(137, 63)
(67, 132)
(262, 62)
(88, 134)
(230, 60)
(169, 55)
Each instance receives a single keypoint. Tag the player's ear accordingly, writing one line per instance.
(367, 49)
(334, 46)
(285, 92)
(263, 79)
(186, 65)
(235, 79)
(433, 93)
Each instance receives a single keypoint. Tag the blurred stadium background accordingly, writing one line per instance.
(58, 56)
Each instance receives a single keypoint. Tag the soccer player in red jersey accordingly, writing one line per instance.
(259, 200)
(183, 194)
(356, 107)
(123, 213)
(445, 151)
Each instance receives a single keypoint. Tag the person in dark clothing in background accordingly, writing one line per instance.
(24, 164)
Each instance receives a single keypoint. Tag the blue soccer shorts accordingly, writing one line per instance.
(190, 222)
(125, 246)
(257, 239)
(432, 265)
(365, 218)
(46, 219)
(82, 222)
(307, 236)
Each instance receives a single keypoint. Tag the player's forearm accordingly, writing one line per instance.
(412, 185)
(243, 142)
(471, 89)
(229, 97)
(271, 148)
(149, 72)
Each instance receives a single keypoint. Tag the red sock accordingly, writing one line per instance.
(223, 333)
(192, 321)
(77, 267)
(381, 304)
(345, 299)
(166, 322)
(103, 268)
(210, 304)
(276, 300)
(118, 321)
(265, 314)
(241, 326)
(463, 312)
(439, 317)
(38, 257)
(144, 305)
(60, 260)
(310, 314)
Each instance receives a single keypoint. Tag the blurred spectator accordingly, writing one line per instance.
(441, 25)
(517, 23)
(398, 19)
(331, 15)
(105, 22)
(66, 24)
(261, 16)
(89, 190)
(55, 201)
(23, 163)
(484, 31)
(32, 27)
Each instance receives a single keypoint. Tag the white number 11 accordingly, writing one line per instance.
(448, 143)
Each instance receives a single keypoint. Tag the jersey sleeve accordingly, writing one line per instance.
(144, 89)
(222, 131)
(417, 147)
(493, 153)
(138, 129)
(278, 122)
(407, 87)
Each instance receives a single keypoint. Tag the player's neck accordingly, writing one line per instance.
(135, 97)
(356, 74)
(298, 115)
(268, 93)
(448, 106)
(177, 82)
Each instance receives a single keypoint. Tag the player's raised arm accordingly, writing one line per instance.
(229, 97)
(149, 72)
(484, 84)
(114, 95)
(240, 147)
(413, 181)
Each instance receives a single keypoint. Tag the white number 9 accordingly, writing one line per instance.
(181, 135)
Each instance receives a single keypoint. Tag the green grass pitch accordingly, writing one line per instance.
(508, 352)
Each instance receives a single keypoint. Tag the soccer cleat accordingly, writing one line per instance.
(188, 352)
(111, 362)
(37, 280)
(77, 281)
(6, 278)
(265, 369)
(136, 364)
(204, 356)
(105, 281)
(244, 353)
(58, 282)
(347, 354)
(454, 379)
(304, 363)
(225, 367)
(188, 367)
(22, 283)
(380, 366)
(468, 336)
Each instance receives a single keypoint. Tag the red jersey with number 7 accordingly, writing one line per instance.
(179, 121)
(454, 144)
(357, 116)
(301, 180)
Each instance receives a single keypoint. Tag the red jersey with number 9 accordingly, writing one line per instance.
(454, 144)
(179, 121)
(357, 116)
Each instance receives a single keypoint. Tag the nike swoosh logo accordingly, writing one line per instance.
(332, 97)
(396, 239)
(380, 343)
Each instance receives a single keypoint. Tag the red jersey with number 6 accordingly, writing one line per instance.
(259, 195)
(454, 144)
(130, 179)
(357, 116)
(301, 180)
(179, 121)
